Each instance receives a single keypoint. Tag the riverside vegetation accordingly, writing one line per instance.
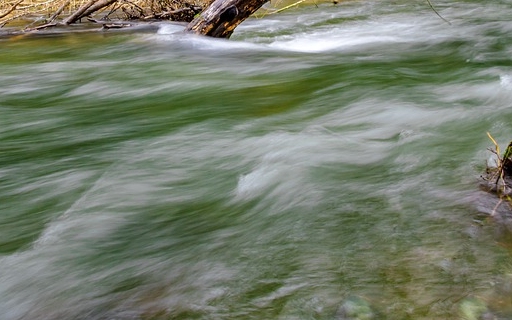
(42, 12)
(29, 15)
(498, 176)
(215, 18)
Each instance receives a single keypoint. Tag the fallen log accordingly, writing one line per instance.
(221, 18)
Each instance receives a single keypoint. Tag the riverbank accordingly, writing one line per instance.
(28, 14)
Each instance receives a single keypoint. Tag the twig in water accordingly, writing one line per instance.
(493, 212)
(287, 7)
(433, 9)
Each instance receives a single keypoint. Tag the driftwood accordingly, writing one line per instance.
(222, 17)
(58, 12)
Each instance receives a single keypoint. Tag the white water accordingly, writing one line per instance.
(319, 155)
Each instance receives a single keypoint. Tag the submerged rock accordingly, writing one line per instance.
(474, 309)
(355, 308)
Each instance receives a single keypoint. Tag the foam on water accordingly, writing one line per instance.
(174, 34)
(366, 34)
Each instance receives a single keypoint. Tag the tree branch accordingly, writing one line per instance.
(10, 10)
(79, 13)
(59, 11)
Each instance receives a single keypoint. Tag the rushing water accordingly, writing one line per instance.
(321, 164)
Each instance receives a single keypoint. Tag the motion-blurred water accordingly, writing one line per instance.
(323, 160)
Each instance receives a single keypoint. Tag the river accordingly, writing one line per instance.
(323, 163)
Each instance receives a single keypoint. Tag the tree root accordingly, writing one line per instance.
(498, 178)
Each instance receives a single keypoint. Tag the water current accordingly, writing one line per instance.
(323, 163)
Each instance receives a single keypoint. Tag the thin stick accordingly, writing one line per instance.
(79, 13)
(112, 10)
(11, 10)
(287, 7)
(37, 4)
(495, 143)
(432, 7)
(41, 27)
(493, 212)
(3, 23)
(134, 4)
(59, 11)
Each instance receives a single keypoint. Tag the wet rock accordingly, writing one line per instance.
(355, 308)
(474, 309)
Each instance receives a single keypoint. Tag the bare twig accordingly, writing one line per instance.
(112, 10)
(135, 5)
(288, 7)
(79, 13)
(59, 11)
(499, 162)
(41, 27)
(33, 22)
(49, 21)
(3, 15)
(494, 210)
(432, 7)
(3, 23)
(37, 4)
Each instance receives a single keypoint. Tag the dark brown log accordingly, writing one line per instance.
(221, 18)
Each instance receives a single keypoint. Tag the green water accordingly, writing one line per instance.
(323, 162)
